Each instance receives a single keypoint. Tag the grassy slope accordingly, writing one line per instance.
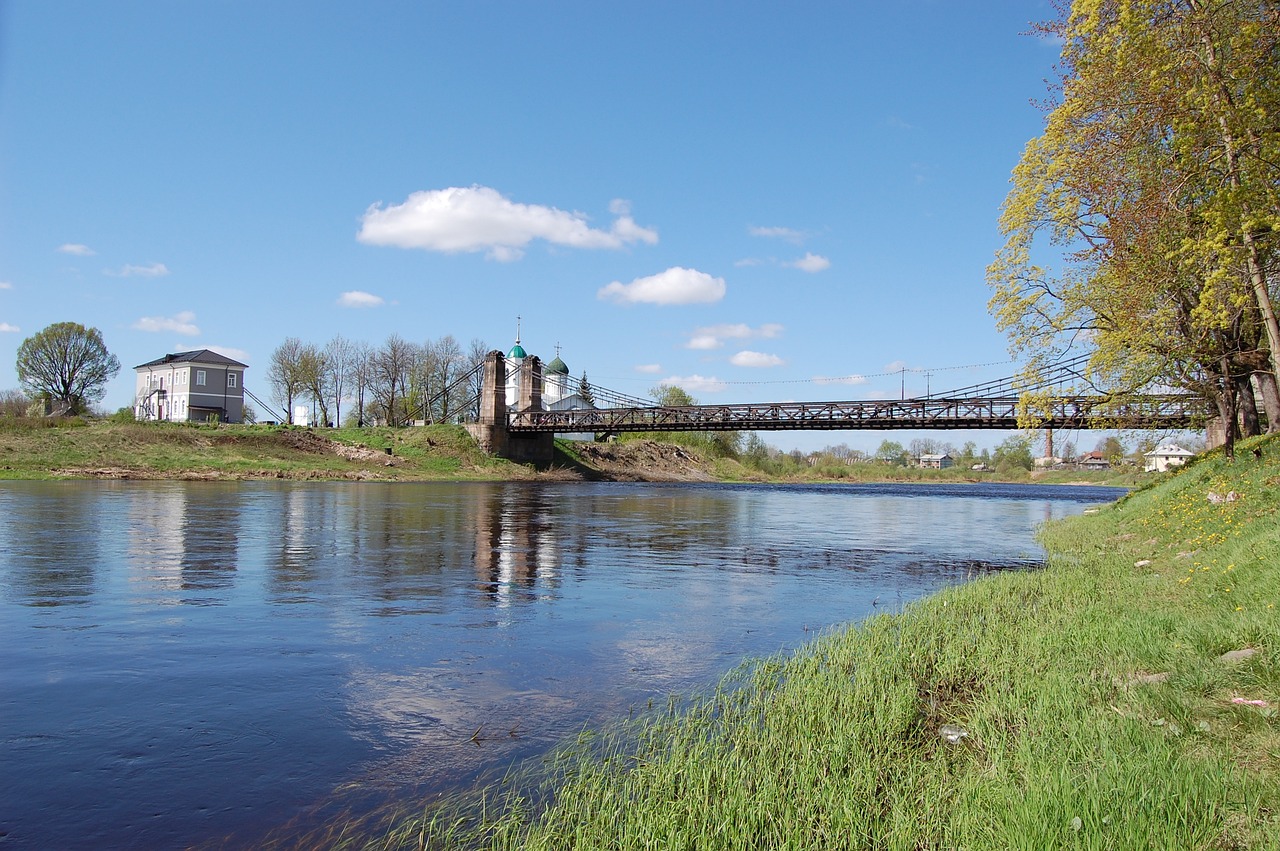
(1097, 711)
(60, 448)
(40, 449)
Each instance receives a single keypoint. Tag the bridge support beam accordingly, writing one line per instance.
(491, 431)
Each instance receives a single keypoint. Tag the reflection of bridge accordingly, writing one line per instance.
(525, 433)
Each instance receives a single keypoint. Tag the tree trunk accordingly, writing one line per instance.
(1267, 388)
(1227, 410)
(1248, 407)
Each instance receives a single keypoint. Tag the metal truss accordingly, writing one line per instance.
(996, 412)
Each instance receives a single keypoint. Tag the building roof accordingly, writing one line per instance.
(556, 367)
(1170, 450)
(198, 356)
(517, 351)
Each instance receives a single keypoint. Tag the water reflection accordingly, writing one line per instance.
(51, 545)
(517, 544)
(182, 540)
(245, 655)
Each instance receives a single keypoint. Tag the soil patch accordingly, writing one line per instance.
(643, 461)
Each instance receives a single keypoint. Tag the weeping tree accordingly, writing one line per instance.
(1142, 222)
(68, 365)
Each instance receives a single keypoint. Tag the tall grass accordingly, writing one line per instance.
(1088, 702)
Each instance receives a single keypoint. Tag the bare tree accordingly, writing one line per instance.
(477, 351)
(314, 373)
(444, 364)
(339, 355)
(361, 376)
(923, 446)
(14, 403)
(285, 374)
(391, 368)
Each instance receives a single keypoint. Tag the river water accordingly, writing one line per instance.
(203, 663)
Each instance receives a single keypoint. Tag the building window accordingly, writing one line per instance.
(231, 379)
(199, 377)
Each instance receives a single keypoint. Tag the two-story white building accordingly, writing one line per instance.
(1167, 456)
(190, 387)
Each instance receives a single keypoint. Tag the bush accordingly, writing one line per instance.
(14, 403)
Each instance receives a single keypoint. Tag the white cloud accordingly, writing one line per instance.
(748, 261)
(359, 298)
(5, 285)
(897, 122)
(755, 359)
(229, 351)
(714, 336)
(649, 368)
(896, 366)
(677, 285)
(180, 323)
(787, 234)
(76, 248)
(129, 270)
(478, 218)
(6, 328)
(810, 262)
(695, 383)
(704, 342)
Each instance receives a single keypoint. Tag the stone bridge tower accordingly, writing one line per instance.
(491, 431)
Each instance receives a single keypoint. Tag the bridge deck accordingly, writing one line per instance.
(1073, 412)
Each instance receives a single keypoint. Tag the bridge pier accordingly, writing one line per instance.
(491, 431)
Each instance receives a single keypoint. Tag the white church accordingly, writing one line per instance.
(558, 390)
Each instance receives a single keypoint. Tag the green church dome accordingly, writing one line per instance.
(557, 367)
(517, 352)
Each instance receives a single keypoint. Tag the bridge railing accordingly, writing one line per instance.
(997, 412)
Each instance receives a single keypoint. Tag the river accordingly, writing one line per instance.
(213, 663)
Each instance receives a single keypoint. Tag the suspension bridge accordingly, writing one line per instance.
(525, 430)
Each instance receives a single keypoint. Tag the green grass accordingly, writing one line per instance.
(49, 448)
(1097, 713)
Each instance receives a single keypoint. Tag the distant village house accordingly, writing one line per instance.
(1093, 461)
(936, 462)
(197, 386)
(1166, 456)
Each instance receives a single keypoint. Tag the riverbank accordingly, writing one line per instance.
(1124, 697)
(105, 449)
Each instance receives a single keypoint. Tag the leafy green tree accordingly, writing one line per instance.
(670, 396)
(67, 364)
(724, 444)
(891, 452)
(1012, 453)
(1153, 194)
(1112, 449)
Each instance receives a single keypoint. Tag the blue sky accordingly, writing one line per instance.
(750, 200)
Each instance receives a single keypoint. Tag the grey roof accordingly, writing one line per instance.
(198, 356)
